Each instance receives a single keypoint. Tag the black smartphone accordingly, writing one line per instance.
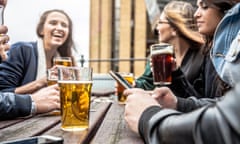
(44, 139)
(120, 79)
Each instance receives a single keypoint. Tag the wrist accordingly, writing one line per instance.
(33, 108)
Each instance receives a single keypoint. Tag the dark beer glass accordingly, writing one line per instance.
(162, 63)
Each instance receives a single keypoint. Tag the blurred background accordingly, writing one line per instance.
(108, 34)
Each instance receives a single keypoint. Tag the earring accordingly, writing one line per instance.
(174, 33)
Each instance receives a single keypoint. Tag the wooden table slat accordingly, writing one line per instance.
(107, 126)
(7, 123)
(114, 129)
(29, 127)
(98, 111)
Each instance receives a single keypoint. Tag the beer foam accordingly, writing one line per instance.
(161, 48)
(74, 82)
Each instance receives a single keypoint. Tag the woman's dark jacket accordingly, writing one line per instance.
(190, 66)
(197, 78)
(15, 72)
(21, 66)
(213, 124)
(213, 89)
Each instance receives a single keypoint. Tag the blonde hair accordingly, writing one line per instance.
(180, 16)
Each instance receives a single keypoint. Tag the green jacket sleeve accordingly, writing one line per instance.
(145, 81)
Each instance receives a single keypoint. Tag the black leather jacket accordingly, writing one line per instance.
(213, 124)
(196, 84)
(213, 88)
(189, 71)
(14, 105)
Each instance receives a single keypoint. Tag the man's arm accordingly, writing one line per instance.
(14, 105)
(211, 124)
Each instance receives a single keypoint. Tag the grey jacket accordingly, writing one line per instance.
(14, 105)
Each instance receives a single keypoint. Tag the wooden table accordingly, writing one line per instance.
(107, 126)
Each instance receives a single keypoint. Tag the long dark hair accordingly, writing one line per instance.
(64, 50)
(223, 6)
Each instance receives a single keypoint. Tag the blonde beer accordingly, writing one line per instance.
(121, 97)
(51, 82)
(52, 77)
(75, 84)
(75, 104)
(65, 61)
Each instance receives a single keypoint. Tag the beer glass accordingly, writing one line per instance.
(65, 61)
(75, 91)
(162, 63)
(130, 78)
(52, 77)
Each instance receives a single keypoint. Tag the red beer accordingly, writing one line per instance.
(162, 62)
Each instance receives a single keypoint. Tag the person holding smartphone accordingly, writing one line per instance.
(16, 105)
(156, 120)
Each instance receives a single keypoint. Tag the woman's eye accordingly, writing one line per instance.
(205, 7)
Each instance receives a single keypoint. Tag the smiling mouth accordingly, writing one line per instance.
(58, 34)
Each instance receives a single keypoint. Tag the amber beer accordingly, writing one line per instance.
(162, 63)
(75, 104)
(121, 97)
(65, 61)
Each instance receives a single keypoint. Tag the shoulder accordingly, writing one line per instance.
(23, 47)
(20, 45)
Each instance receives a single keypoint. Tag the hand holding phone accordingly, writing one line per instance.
(120, 79)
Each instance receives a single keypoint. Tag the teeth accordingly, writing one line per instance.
(58, 33)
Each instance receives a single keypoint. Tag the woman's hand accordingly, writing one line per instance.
(165, 97)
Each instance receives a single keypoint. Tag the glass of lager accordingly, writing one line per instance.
(162, 63)
(130, 78)
(75, 92)
(65, 61)
(52, 76)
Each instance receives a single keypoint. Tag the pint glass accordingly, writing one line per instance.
(75, 91)
(121, 97)
(52, 77)
(65, 61)
(162, 63)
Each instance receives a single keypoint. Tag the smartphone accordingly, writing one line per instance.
(120, 79)
(44, 139)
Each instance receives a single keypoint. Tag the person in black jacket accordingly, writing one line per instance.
(16, 105)
(176, 26)
(212, 85)
(217, 122)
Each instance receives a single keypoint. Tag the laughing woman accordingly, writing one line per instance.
(25, 69)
